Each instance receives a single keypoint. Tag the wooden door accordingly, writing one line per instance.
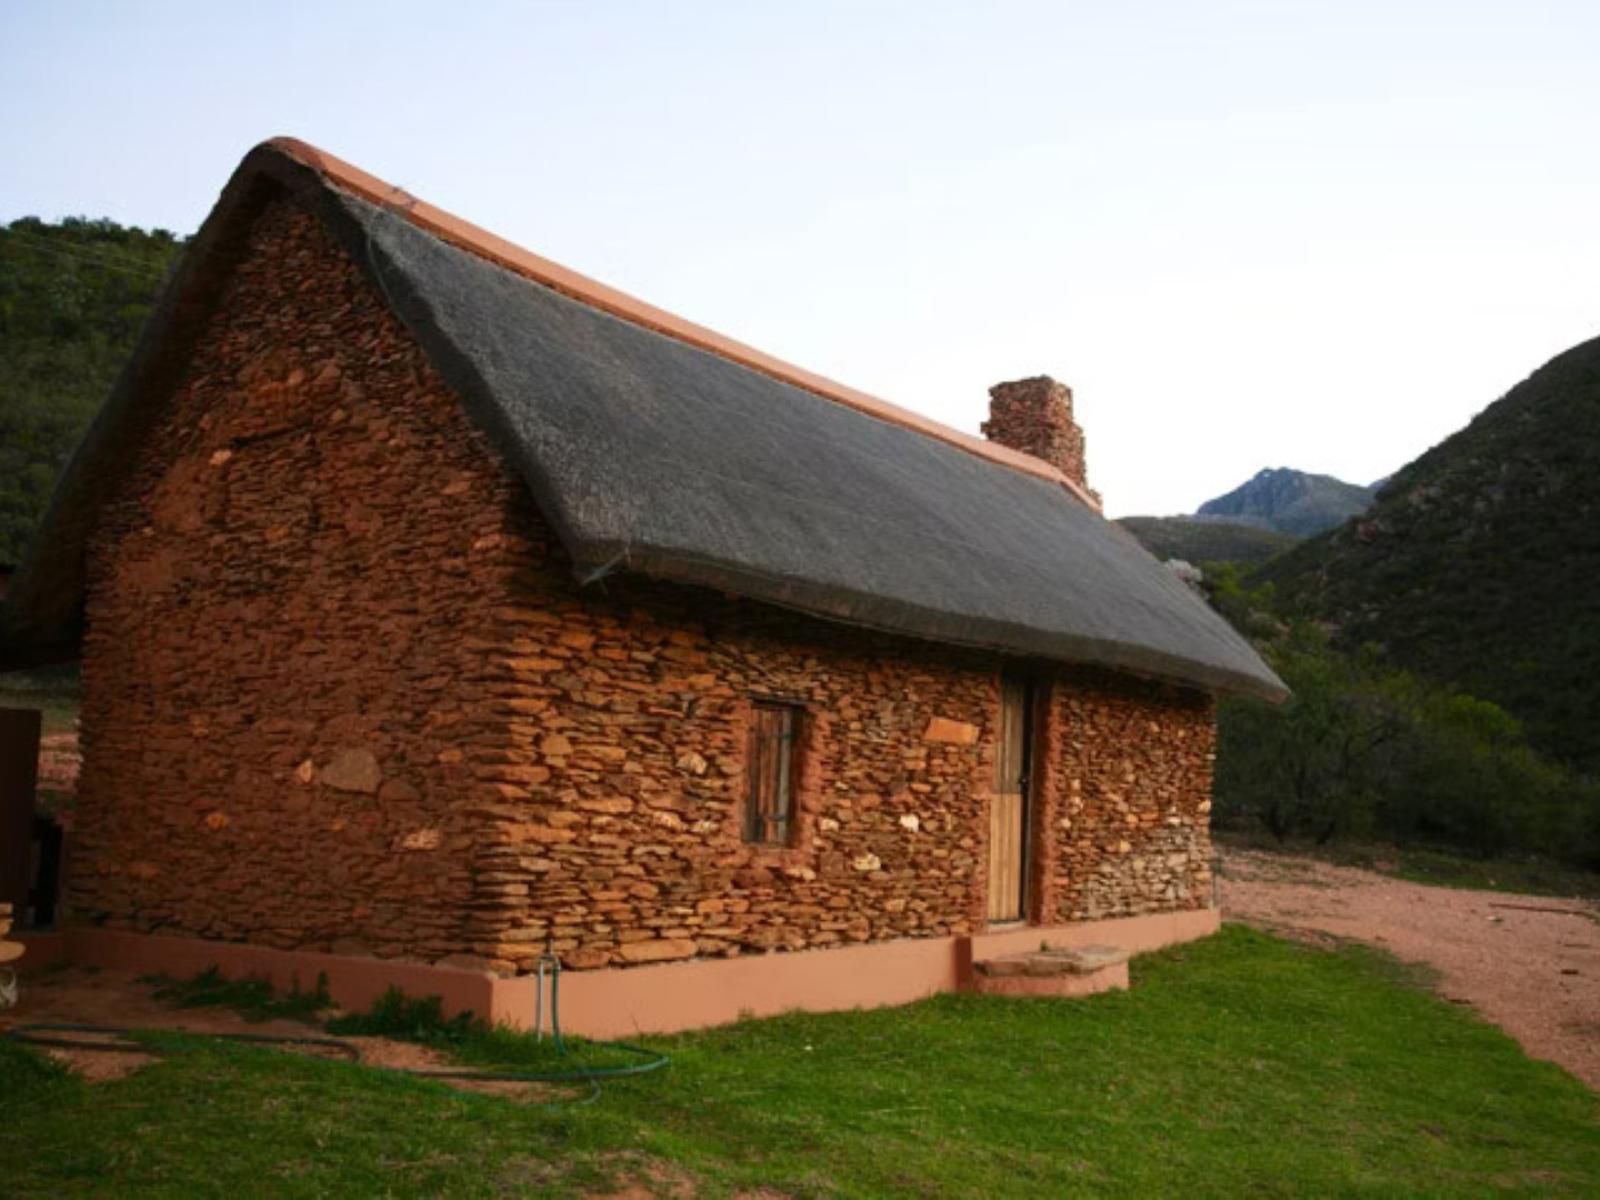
(1008, 813)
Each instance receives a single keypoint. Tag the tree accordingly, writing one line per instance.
(73, 297)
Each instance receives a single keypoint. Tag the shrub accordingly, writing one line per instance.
(1364, 749)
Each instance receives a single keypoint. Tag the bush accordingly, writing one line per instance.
(1304, 769)
(1362, 749)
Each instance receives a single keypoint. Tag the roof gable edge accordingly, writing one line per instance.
(475, 240)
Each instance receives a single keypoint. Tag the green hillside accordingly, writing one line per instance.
(1206, 541)
(1479, 562)
(73, 297)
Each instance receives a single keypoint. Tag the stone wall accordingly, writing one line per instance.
(342, 692)
(280, 674)
(620, 836)
(1132, 798)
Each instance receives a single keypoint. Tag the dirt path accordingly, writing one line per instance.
(1533, 971)
(83, 996)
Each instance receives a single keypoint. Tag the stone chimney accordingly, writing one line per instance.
(1035, 417)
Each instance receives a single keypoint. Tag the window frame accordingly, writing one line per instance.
(772, 778)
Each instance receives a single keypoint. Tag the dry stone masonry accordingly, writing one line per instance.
(342, 692)
(1035, 416)
(1132, 772)
(281, 681)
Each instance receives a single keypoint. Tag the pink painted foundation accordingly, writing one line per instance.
(620, 1002)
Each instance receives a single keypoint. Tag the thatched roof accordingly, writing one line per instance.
(654, 446)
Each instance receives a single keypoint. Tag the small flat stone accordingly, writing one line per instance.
(397, 791)
(955, 733)
(353, 771)
(658, 950)
(11, 951)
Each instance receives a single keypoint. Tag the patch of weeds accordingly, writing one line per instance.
(472, 1040)
(406, 1018)
(253, 998)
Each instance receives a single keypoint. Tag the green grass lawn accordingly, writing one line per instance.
(1242, 1065)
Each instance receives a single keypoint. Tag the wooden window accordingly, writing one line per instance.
(769, 812)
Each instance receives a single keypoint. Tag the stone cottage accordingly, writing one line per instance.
(439, 608)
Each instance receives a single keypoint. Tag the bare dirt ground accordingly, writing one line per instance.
(79, 996)
(1530, 964)
(115, 998)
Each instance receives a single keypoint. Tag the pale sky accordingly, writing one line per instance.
(1318, 235)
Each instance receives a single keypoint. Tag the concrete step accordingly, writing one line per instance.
(1063, 971)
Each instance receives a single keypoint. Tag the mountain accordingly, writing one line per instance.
(1199, 541)
(1258, 519)
(73, 297)
(1479, 563)
(1290, 501)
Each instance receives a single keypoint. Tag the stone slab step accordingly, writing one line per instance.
(1074, 960)
(11, 951)
(1062, 972)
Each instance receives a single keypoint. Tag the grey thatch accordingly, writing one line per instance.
(651, 455)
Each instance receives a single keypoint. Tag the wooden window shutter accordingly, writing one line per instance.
(770, 808)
